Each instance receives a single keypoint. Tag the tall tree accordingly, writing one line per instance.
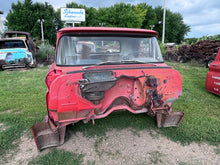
(175, 30)
(20, 17)
(150, 17)
(123, 15)
(25, 17)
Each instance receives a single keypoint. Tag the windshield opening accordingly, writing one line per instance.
(94, 50)
(12, 44)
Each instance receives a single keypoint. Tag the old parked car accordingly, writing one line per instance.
(20, 34)
(87, 85)
(12, 60)
(213, 76)
(14, 53)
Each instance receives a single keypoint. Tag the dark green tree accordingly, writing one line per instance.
(25, 17)
(150, 17)
(122, 15)
(175, 29)
(159, 19)
(20, 17)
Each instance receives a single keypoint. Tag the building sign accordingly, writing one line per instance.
(73, 15)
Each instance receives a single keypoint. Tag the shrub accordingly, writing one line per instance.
(162, 48)
(46, 53)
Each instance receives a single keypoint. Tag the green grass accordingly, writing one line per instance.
(22, 98)
(201, 108)
(22, 103)
(58, 157)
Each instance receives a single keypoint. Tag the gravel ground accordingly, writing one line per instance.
(125, 147)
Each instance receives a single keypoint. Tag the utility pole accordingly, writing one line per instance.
(164, 17)
(1, 27)
(42, 28)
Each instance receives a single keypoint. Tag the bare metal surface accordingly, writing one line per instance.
(45, 137)
(171, 120)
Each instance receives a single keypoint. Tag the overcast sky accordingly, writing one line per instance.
(203, 16)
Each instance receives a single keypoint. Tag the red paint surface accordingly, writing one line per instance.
(213, 76)
(65, 96)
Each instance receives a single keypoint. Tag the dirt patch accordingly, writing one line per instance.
(11, 111)
(126, 147)
(3, 127)
(7, 111)
(26, 152)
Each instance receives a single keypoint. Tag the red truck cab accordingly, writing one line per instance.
(126, 71)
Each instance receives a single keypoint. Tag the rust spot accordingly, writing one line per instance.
(152, 82)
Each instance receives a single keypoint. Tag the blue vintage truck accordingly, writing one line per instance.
(16, 50)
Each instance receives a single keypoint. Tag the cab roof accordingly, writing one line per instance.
(16, 34)
(12, 39)
(107, 30)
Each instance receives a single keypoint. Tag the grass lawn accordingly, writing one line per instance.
(22, 103)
